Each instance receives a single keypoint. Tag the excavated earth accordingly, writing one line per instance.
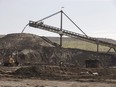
(38, 57)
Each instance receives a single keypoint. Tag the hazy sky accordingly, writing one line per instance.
(97, 18)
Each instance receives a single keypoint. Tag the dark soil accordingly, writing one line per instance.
(39, 58)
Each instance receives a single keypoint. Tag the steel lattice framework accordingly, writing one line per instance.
(39, 24)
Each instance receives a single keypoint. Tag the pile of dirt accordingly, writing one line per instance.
(42, 71)
(24, 47)
(37, 57)
(22, 41)
(27, 72)
(29, 49)
(64, 73)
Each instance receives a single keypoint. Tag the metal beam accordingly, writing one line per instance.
(114, 49)
(70, 34)
(97, 47)
(75, 24)
(48, 16)
(61, 29)
(109, 50)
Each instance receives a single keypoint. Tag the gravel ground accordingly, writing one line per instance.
(14, 82)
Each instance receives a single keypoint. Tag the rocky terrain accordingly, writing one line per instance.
(38, 59)
(33, 49)
(12, 82)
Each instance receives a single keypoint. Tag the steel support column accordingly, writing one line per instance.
(61, 30)
(97, 47)
(97, 42)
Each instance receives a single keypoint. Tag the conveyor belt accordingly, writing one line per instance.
(42, 26)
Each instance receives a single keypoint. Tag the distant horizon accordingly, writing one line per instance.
(56, 36)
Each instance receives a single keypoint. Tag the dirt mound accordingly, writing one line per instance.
(27, 72)
(29, 49)
(64, 73)
(22, 40)
(24, 47)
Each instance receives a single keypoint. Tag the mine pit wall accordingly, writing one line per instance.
(76, 57)
(64, 57)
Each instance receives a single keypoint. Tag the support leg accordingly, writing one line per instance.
(60, 40)
(114, 49)
(97, 47)
(109, 50)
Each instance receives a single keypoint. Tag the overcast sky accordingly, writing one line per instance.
(97, 18)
